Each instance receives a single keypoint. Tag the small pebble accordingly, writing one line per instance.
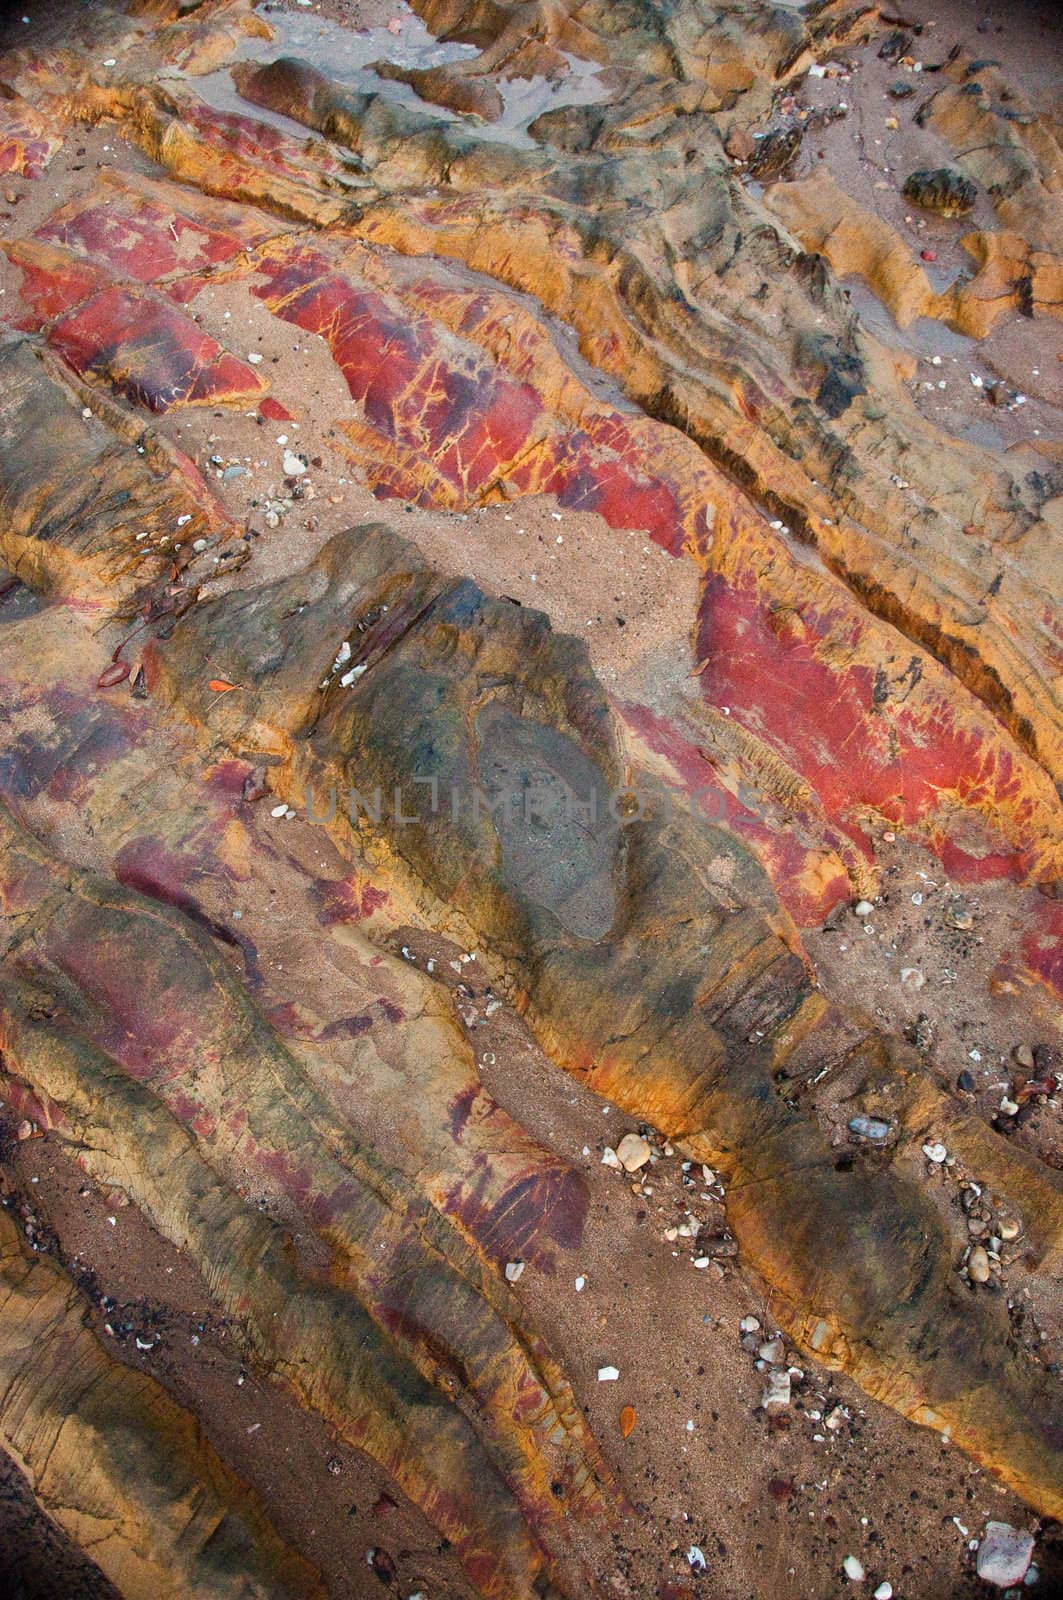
(608, 1374)
(278, 811)
(935, 1153)
(1004, 1554)
(884, 1591)
(978, 1265)
(863, 908)
(513, 1270)
(632, 1152)
(853, 1569)
(777, 1392)
(872, 1128)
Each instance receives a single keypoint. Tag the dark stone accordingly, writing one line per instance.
(943, 190)
(1047, 1060)
(774, 153)
(894, 44)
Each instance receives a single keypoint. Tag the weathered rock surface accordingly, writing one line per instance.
(596, 309)
(124, 1470)
(648, 955)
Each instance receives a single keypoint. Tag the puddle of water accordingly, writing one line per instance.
(345, 55)
(343, 52)
(924, 337)
(527, 98)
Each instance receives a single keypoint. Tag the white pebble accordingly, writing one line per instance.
(633, 1152)
(608, 1374)
(777, 1392)
(278, 811)
(513, 1270)
(854, 1570)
